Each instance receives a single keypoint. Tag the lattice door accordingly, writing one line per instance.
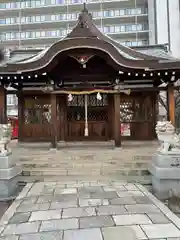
(37, 118)
(96, 108)
(126, 110)
(37, 111)
(76, 109)
(97, 116)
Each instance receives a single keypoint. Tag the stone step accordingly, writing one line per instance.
(64, 179)
(100, 156)
(84, 165)
(84, 172)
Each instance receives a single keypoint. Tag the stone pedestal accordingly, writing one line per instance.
(165, 170)
(9, 170)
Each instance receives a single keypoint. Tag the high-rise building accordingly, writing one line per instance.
(164, 24)
(39, 23)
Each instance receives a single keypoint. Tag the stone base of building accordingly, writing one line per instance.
(165, 170)
(9, 170)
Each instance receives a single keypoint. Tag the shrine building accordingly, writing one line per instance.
(88, 86)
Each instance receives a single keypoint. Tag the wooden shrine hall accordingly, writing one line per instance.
(87, 86)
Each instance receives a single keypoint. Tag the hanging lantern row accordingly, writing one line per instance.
(147, 73)
(120, 72)
(22, 77)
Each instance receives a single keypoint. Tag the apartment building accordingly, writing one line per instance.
(40, 23)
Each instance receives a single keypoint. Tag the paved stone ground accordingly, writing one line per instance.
(82, 210)
(4, 206)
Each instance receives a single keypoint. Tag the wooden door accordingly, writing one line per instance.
(137, 116)
(97, 118)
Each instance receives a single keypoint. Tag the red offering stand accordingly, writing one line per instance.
(14, 123)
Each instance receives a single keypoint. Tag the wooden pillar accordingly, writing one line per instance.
(3, 106)
(54, 128)
(21, 119)
(171, 103)
(117, 123)
(110, 116)
(62, 102)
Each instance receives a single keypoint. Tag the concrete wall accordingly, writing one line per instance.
(164, 24)
(152, 22)
(174, 22)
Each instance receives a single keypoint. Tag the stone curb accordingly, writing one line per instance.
(11, 210)
(172, 217)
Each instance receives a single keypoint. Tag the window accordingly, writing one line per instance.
(117, 29)
(111, 13)
(53, 2)
(134, 11)
(38, 18)
(11, 99)
(53, 17)
(122, 11)
(139, 27)
(128, 43)
(33, 35)
(60, 1)
(43, 34)
(106, 13)
(134, 43)
(53, 33)
(64, 32)
(68, 16)
(64, 16)
(111, 29)
(8, 20)
(128, 28)
(117, 12)
(138, 11)
(134, 27)
(38, 34)
(123, 29)
(8, 5)
(23, 35)
(43, 18)
(74, 15)
(23, 19)
(37, 3)
(2, 21)
(128, 11)
(106, 29)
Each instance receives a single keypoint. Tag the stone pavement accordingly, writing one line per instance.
(82, 210)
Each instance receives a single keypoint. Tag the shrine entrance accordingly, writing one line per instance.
(87, 118)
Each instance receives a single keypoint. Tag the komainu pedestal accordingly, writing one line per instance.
(9, 167)
(165, 165)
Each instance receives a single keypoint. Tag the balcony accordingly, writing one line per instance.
(34, 7)
(61, 20)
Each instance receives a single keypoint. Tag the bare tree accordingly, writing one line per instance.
(163, 102)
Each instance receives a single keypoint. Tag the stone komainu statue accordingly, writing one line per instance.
(170, 141)
(5, 138)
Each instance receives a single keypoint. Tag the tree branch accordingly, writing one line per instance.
(161, 101)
